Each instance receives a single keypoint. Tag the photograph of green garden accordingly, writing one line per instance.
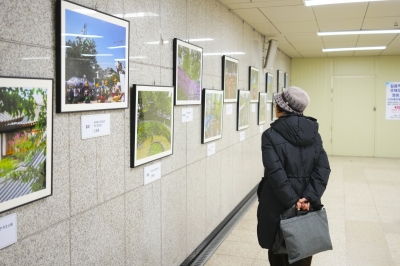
(253, 84)
(212, 115)
(25, 140)
(262, 108)
(230, 78)
(151, 123)
(188, 60)
(243, 110)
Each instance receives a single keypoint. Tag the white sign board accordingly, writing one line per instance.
(253, 108)
(228, 109)
(187, 115)
(152, 173)
(8, 230)
(392, 100)
(242, 135)
(211, 149)
(95, 125)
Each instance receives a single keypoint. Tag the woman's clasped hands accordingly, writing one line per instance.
(303, 204)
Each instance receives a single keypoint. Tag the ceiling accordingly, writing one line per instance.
(295, 26)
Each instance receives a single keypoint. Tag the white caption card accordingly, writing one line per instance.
(242, 135)
(211, 149)
(253, 108)
(152, 173)
(8, 230)
(261, 128)
(269, 106)
(187, 115)
(228, 109)
(95, 125)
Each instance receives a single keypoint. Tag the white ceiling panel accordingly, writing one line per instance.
(367, 53)
(344, 39)
(304, 38)
(383, 9)
(297, 27)
(280, 39)
(265, 4)
(312, 54)
(265, 28)
(331, 12)
(308, 46)
(252, 15)
(383, 23)
(339, 44)
(235, 1)
(292, 53)
(339, 54)
(340, 25)
(288, 13)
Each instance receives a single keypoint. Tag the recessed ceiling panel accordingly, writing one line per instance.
(343, 38)
(288, 13)
(329, 45)
(367, 53)
(304, 38)
(266, 4)
(345, 11)
(252, 15)
(384, 23)
(340, 54)
(340, 25)
(266, 28)
(235, 1)
(383, 9)
(297, 27)
(312, 53)
(308, 46)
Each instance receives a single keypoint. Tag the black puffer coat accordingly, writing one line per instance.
(296, 166)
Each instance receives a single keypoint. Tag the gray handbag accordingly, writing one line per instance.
(304, 234)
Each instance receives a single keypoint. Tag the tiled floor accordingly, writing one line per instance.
(363, 206)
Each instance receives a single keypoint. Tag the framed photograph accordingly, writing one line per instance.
(273, 113)
(279, 81)
(152, 123)
(26, 131)
(268, 82)
(188, 71)
(253, 84)
(93, 60)
(286, 80)
(230, 78)
(211, 128)
(243, 109)
(262, 108)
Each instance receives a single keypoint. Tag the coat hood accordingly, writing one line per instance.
(297, 129)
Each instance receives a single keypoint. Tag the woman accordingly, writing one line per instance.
(296, 168)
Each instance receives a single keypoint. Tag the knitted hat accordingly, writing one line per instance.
(293, 100)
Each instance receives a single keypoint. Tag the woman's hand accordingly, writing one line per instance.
(303, 204)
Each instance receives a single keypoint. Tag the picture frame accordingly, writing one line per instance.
(273, 113)
(269, 78)
(286, 80)
(92, 59)
(253, 83)
(279, 81)
(188, 72)
(262, 108)
(152, 123)
(230, 78)
(26, 138)
(243, 110)
(212, 115)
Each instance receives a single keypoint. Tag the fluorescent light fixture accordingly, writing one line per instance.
(352, 32)
(354, 49)
(156, 42)
(137, 57)
(81, 35)
(96, 54)
(35, 58)
(230, 53)
(200, 40)
(137, 15)
(330, 2)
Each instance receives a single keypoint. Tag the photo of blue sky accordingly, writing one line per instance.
(105, 35)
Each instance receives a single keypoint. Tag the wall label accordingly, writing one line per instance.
(95, 125)
(8, 230)
(242, 135)
(211, 149)
(253, 108)
(187, 115)
(261, 129)
(228, 109)
(152, 173)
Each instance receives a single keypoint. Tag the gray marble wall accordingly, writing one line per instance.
(100, 212)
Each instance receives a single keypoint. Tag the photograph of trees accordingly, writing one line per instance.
(230, 78)
(187, 72)
(253, 84)
(25, 140)
(212, 115)
(243, 110)
(153, 125)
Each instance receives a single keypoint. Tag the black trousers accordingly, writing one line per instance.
(282, 260)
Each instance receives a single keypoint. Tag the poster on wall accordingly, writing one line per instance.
(253, 84)
(152, 123)
(93, 61)
(243, 109)
(230, 78)
(392, 100)
(188, 70)
(25, 140)
(262, 108)
(211, 115)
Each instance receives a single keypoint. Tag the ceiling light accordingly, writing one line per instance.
(354, 49)
(200, 40)
(351, 32)
(329, 2)
(230, 53)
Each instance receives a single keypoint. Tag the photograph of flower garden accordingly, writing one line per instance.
(262, 108)
(253, 84)
(212, 115)
(230, 78)
(188, 73)
(153, 123)
(24, 140)
(243, 110)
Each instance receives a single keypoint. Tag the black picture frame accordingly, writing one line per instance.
(243, 110)
(187, 89)
(26, 141)
(262, 108)
(152, 123)
(87, 81)
(212, 115)
(230, 78)
(253, 83)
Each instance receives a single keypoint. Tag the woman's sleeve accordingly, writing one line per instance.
(319, 179)
(276, 174)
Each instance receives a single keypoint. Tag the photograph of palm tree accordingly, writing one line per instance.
(25, 140)
(188, 64)
(253, 84)
(230, 78)
(243, 110)
(94, 60)
(151, 123)
(212, 115)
